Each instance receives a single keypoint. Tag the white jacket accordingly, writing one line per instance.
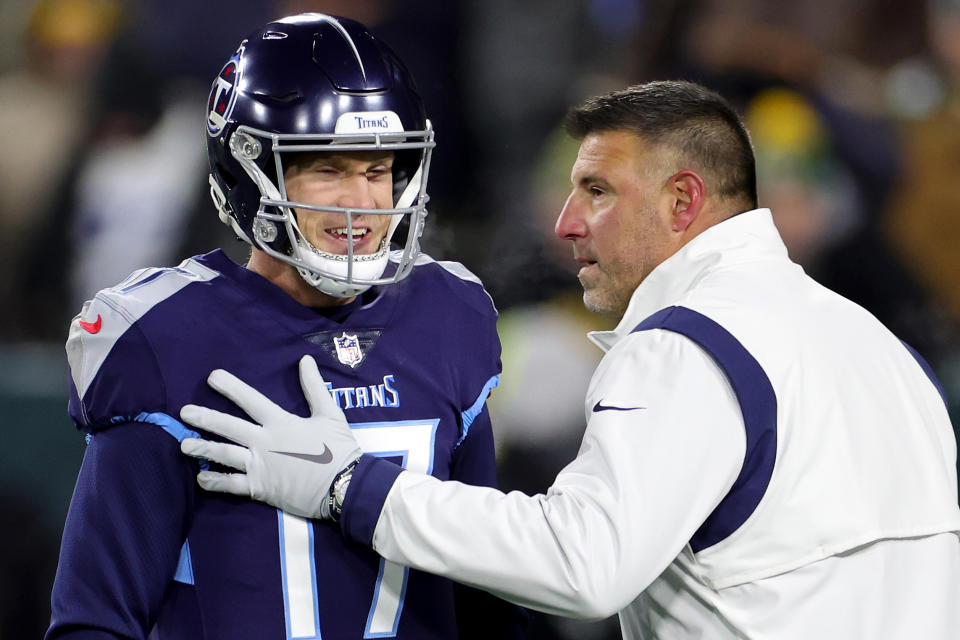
(809, 439)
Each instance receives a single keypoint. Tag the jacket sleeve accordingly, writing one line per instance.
(646, 477)
(127, 522)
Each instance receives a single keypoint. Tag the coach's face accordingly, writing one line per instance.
(618, 217)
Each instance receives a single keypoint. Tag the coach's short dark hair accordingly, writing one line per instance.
(698, 123)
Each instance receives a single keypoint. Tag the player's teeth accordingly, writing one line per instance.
(356, 232)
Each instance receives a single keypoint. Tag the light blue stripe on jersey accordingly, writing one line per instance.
(301, 603)
(471, 414)
(179, 431)
(184, 571)
(169, 424)
(367, 632)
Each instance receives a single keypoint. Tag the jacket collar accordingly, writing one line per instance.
(745, 237)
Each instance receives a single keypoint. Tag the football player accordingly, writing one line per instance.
(319, 153)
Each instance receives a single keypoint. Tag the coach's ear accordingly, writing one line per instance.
(687, 190)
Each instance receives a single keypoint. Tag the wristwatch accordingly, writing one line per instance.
(338, 490)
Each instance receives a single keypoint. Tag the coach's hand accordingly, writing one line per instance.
(285, 460)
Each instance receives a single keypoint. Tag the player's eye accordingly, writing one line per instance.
(327, 172)
(378, 172)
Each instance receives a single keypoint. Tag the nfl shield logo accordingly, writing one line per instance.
(348, 349)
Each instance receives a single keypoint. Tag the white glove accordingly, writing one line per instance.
(289, 461)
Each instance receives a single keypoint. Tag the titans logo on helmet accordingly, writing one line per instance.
(223, 94)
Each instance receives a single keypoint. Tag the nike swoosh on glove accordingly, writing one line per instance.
(285, 460)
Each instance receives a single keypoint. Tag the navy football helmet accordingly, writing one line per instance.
(314, 82)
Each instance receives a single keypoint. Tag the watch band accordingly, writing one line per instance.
(338, 489)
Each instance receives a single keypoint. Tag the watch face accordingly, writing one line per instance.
(340, 489)
(339, 492)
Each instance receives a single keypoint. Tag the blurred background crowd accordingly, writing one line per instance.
(854, 107)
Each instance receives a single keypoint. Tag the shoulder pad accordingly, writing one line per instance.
(458, 270)
(111, 312)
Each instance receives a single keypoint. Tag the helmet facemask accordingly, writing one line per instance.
(276, 230)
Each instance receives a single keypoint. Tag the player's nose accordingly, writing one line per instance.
(357, 194)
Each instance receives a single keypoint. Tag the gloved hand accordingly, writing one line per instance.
(289, 461)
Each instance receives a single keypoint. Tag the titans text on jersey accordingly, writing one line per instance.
(384, 394)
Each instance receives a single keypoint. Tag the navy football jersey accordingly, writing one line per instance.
(411, 365)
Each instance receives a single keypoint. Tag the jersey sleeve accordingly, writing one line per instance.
(126, 526)
(480, 614)
(129, 514)
(466, 334)
(481, 376)
(474, 459)
(114, 373)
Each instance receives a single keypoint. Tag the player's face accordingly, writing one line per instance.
(616, 217)
(357, 180)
